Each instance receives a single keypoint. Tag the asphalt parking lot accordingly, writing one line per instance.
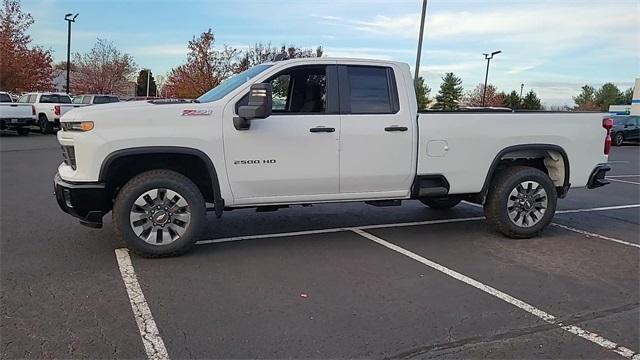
(328, 281)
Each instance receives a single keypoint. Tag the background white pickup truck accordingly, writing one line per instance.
(316, 130)
(14, 116)
(49, 108)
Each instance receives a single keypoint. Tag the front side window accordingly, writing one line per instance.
(232, 83)
(300, 90)
(77, 100)
(369, 90)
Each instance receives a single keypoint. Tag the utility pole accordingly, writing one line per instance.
(148, 78)
(487, 57)
(424, 13)
(69, 19)
(521, 87)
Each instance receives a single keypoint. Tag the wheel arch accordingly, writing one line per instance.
(202, 170)
(532, 154)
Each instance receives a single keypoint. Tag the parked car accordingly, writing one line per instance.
(15, 116)
(625, 128)
(94, 99)
(49, 107)
(348, 130)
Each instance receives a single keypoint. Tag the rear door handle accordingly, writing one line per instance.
(322, 129)
(396, 128)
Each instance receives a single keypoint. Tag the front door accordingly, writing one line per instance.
(293, 154)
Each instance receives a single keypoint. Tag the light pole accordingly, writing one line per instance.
(424, 13)
(148, 77)
(487, 57)
(69, 18)
(521, 88)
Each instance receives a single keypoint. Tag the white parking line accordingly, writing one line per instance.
(621, 176)
(624, 181)
(153, 344)
(604, 208)
(583, 232)
(587, 335)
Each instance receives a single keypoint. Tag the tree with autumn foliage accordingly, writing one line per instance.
(103, 70)
(206, 67)
(492, 97)
(22, 68)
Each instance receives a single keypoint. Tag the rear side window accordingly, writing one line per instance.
(369, 90)
(86, 100)
(77, 100)
(32, 98)
(55, 99)
(5, 98)
(104, 99)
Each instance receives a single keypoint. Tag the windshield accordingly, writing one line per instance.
(231, 84)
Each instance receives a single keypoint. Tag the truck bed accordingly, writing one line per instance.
(462, 146)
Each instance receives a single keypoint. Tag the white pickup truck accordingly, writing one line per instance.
(15, 116)
(305, 131)
(49, 108)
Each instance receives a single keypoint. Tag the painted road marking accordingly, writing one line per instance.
(624, 181)
(605, 208)
(587, 335)
(153, 344)
(583, 232)
(621, 176)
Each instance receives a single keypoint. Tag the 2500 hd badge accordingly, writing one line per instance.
(254, 162)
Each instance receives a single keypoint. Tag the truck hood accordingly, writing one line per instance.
(88, 112)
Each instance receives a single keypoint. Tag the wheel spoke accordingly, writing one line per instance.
(160, 216)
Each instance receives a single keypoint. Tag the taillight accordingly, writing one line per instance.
(607, 123)
(56, 110)
(33, 110)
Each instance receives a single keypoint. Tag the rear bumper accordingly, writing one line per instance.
(597, 178)
(14, 122)
(86, 201)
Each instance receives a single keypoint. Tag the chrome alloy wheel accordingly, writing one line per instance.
(160, 216)
(527, 204)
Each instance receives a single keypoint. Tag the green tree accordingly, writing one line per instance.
(450, 92)
(531, 101)
(512, 100)
(586, 100)
(608, 94)
(627, 96)
(422, 94)
(141, 84)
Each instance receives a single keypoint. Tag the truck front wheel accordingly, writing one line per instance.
(521, 202)
(159, 213)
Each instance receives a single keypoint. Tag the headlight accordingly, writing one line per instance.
(77, 126)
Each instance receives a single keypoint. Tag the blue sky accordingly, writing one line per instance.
(553, 47)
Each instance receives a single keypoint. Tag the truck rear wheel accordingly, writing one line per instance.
(159, 213)
(441, 203)
(45, 125)
(521, 202)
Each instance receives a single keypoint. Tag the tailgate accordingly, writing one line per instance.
(15, 111)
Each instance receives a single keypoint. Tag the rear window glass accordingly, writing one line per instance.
(104, 99)
(55, 99)
(5, 98)
(369, 90)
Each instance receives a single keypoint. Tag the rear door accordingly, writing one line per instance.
(376, 145)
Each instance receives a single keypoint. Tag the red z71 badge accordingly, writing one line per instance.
(195, 112)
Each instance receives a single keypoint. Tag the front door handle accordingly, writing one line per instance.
(396, 128)
(322, 129)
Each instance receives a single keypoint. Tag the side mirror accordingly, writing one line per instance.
(258, 107)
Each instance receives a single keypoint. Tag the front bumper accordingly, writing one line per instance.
(86, 201)
(597, 177)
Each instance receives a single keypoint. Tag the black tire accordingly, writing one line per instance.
(503, 184)
(45, 125)
(441, 203)
(154, 179)
(618, 139)
(22, 131)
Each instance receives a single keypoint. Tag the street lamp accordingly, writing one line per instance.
(69, 18)
(424, 12)
(148, 77)
(488, 57)
(521, 88)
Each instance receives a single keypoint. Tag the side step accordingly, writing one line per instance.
(381, 203)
